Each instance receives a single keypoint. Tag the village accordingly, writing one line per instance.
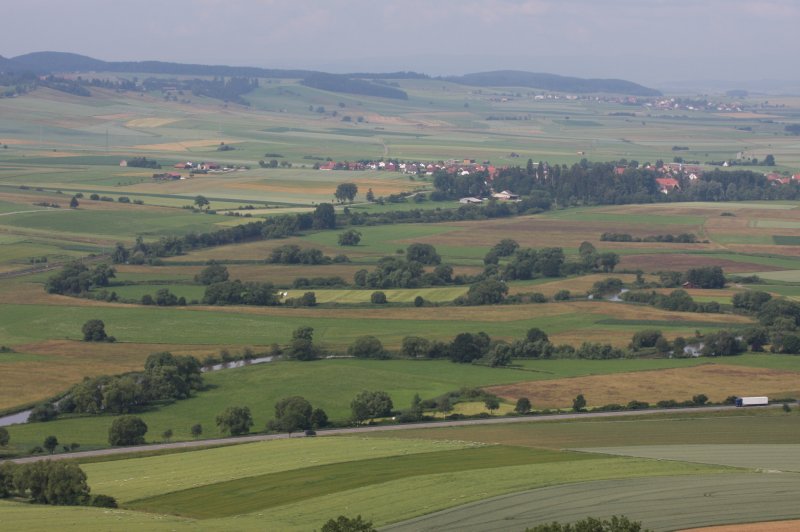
(672, 174)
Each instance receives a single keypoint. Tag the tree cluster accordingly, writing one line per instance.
(142, 162)
(241, 293)
(76, 278)
(294, 254)
(706, 277)
(295, 413)
(49, 482)
(408, 272)
(163, 298)
(586, 183)
(213, 273)
(677, 300)
(165, 377)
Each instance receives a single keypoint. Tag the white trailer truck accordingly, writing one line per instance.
(752, 401)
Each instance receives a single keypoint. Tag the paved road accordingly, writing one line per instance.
(377, 428)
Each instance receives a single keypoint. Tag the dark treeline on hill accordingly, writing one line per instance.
(43, 62)
(388, 75)
(552, 82)
(231, 89)
(348, 85)
(16, 83)
(588, 183)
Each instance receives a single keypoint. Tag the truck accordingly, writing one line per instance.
(752, 401)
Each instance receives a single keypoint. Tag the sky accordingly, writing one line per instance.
(653, 42)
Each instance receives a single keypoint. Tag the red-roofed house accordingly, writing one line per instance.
(777, 178)
(667, 184)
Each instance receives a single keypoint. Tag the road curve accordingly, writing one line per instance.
(376, 428)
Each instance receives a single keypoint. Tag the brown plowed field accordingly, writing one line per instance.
(768, 526)
(682, 262)
(717, 381)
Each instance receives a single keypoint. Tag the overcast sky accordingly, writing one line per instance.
(647, 41)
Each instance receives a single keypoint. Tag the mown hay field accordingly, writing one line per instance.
(730, 427)
(768, 457)
(717, 381)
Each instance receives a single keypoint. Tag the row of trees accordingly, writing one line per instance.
(323, 217)
(682, 238)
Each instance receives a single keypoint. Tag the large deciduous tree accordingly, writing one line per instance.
(369, 405)
(235, 420)
(324, 217)
(291, 414)
(127, 430)
(213, 273)
(346, 192)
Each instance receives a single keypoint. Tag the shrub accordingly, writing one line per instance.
(367, 347)
(351, 237)
(523, 405)
(127, 430)
(378, 298)
(95, 331)
(43, 412)
(348, 524)
(562, 295)
(104, 501)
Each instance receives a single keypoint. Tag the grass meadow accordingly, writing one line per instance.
(332, 384)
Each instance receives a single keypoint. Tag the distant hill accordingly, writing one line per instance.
(551, 82)
(8, 65)
(47, 62)
(54, 62)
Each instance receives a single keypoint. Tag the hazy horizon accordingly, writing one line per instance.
(656, 42)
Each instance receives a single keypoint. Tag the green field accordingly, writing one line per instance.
(138, 478)
(264, 492)
(299, 483)
(703, 501)
(772, 458)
